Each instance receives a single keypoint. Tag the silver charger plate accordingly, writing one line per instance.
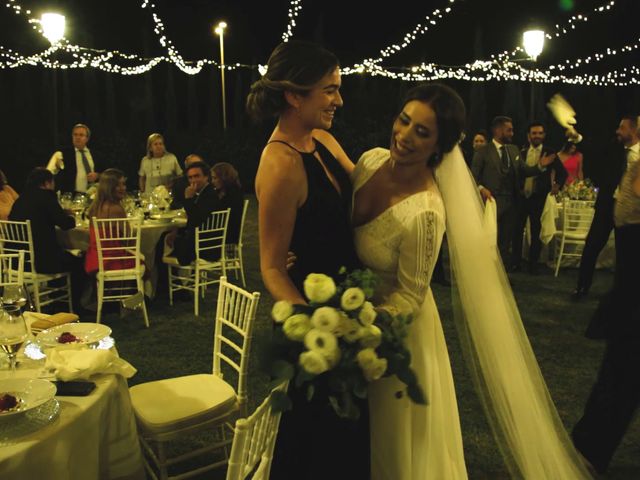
(17, 426)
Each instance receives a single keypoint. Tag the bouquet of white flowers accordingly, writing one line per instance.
(579, 190)
(161, 197)
(339, 341)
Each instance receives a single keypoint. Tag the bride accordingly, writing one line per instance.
(404, 198)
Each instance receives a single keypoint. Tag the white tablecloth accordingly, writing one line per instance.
(94, 437)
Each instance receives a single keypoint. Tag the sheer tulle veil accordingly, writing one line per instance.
(524, 420)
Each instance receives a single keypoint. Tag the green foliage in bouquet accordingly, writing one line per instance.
(336, 345)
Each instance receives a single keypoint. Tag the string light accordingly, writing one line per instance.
(420, 29)
(294, 10)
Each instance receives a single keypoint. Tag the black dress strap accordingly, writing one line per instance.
(315, 147)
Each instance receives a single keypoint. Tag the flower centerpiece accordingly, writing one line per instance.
(160, 197)
(339, 343)
(579, 190)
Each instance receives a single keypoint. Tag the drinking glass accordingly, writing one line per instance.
(13, 333)
(14, 295)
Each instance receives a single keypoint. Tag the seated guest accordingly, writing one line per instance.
(199, 201)
(7, 197)
(112, 189)
(181, 183)
(226, 182)
(157, 167)
(74, 167)
(39, 204)
(571, 158)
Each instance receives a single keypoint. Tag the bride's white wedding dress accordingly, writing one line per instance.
(409, 441)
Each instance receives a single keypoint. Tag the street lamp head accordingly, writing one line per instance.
(219, 30)
(533, 42)
(52, 27)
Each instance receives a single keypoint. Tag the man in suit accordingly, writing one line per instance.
(74, 167)
(200, 200)
(602, 225)
(181, 183)
(38, 203)
(533, 194)
(497, 168)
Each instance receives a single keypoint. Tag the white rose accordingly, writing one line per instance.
(319, 287)
(368, 314)
(351, 330)
(322, 342)
(352, 298)
(296, 327)
(372, 366)
(313, 362)
(370, 336)
(327, 319)
(281, 311)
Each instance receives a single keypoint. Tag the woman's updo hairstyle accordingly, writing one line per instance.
(295, 66)
(450, 115)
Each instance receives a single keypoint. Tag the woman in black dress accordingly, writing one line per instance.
(304, 196)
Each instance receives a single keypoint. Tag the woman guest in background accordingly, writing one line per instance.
(157, 167)
(7, 196)
(304, 196)
(226, 182)
(571, 158)
(112, 188)
(480, 139)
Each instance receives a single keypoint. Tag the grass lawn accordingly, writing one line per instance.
(178, 343)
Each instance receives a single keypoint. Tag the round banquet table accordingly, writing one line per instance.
(92, 437)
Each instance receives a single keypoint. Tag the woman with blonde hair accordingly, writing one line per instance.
(158, 166)
(112, 189)
(7, 197)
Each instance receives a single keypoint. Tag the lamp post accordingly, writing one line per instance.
(219, 30)
(533, 43)
(53, 25)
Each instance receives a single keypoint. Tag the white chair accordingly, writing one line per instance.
(16, 237)
(254, 441)
(172, 408)
(233, 257)
(210, 242)
(119, 261)
(11, 269)
(577, 216)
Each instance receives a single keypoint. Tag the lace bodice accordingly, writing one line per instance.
(402, 243)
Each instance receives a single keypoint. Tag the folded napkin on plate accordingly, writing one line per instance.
(44, 322)
(81, 364)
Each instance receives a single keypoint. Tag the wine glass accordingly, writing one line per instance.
(14, 295)
(13, 333)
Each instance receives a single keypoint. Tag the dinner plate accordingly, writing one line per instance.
(29, 392)
(86, 333)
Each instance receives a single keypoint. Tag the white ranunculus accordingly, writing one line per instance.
(370, 336)
(319, 288)
(352, 298)
(367, 314)
(281, 311)
(322, 342)
(327, 319)
(313, 362)
(296, 327)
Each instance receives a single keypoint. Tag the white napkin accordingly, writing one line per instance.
(81, 364)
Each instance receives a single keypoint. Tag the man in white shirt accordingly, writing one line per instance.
(74, 168)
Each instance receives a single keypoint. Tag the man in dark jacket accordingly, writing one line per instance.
(533, 194)
(181, 183)
(74, 167)
(39, 204)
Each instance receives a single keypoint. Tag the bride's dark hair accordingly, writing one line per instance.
(294, 66)
(450, 114)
